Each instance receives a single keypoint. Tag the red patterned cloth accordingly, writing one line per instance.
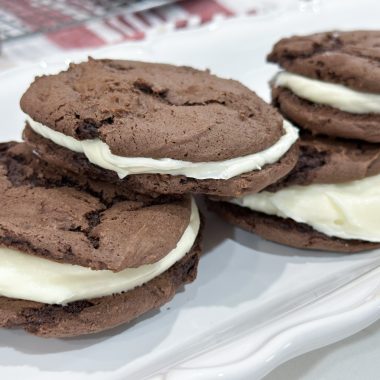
(135, 26)
(122, 27)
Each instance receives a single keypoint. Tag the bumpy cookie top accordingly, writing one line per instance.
(154, 110)
(347, 58)
(64, 223)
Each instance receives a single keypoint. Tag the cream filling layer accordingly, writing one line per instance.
(330, 94)
(348, 211)
(100, 154)
(28, 277)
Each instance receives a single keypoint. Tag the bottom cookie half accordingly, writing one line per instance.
(286, 231)
(68, 161)
(94, 315)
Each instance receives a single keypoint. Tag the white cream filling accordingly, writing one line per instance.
(330, 94)
(100, 154)
(348, 211)
(28, 277)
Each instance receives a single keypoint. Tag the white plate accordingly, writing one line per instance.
(255, 304)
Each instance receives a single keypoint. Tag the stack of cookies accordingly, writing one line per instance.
(330, 89)
(97, 225)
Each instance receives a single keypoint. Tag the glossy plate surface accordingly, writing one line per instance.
(255, 304)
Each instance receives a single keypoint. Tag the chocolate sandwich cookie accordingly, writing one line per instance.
(158, 129)
(331, 83)
(330, 201)
(78, 258)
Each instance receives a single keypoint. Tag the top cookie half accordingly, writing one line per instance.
(166, 120)
(331, 83)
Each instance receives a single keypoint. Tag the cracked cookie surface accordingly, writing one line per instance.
(69, 221)
(154, 110)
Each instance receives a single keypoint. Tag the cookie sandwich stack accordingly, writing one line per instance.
(158, 129)
(97, 224)
(79, 257)
(330, 88)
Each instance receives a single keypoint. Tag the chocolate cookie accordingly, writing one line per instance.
(65, 220)
(347, 60)
(166, 129)
(325, 120)
(327, 160)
